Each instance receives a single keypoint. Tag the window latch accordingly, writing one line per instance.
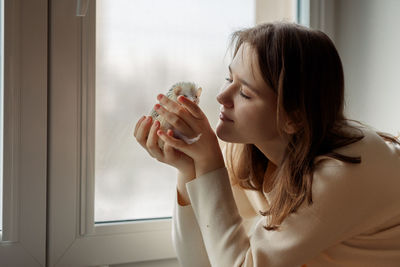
(82, 7)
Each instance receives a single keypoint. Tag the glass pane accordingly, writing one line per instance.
(303, 12)
(1, 110)
(144, 47)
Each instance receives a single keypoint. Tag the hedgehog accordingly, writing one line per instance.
(190, 91)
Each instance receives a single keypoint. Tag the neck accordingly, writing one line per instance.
(273, 150)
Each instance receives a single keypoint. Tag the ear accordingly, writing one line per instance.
(290, 127)
(198, 92)
(177, 90)
(292, 123)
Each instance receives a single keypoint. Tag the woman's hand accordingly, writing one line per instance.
(146, 135)
(191, 121)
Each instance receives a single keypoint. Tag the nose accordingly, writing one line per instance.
(224, 97)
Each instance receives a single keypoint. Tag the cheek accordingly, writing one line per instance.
(259, 122)
(254, 122)
(257, 112)
(256, 119)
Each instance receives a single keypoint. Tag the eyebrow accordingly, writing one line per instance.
(245, 83)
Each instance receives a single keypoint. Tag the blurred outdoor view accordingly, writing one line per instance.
(143, 47)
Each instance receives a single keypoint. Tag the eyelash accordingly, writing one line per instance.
(240, 92)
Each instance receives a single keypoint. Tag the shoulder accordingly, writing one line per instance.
(372, 149)
(380, 162)
(375, 182)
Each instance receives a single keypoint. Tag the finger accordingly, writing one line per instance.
(175, 143)
(167, 102)
(152, 141)
(175, 120)
(174, 107)
(138, 125)
(168, 150)
(192, 107)
(143, 131)
(171, 133)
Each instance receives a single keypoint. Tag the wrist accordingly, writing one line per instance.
(209, 165)
(187, 172)
(186, 175)
(182, 195)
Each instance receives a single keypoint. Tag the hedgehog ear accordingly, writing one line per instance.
(198, 93)
(177, 90)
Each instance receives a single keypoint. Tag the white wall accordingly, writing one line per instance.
(367, 36)
(273, 10)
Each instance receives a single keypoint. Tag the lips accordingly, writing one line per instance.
(223, 117)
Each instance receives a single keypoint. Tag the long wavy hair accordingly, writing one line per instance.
(304, 69)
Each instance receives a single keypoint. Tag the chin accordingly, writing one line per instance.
(226, 135)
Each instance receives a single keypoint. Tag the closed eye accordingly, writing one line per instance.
(240, 92)
(243, 95)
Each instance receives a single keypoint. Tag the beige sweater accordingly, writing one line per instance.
(354, 220)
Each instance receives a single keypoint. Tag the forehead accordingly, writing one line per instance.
(245, 65)
(244, 57)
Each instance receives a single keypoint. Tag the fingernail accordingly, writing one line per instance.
(159, 132)
(181, 98)
(156, 124)
(148, 118)
(159, 97)
(157, 106)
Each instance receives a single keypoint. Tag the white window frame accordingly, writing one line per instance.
(74, 239)
(23, 239)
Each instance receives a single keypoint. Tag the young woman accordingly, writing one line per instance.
(303, 185)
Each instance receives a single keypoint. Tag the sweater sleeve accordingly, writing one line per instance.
(186, 237)
(342, 207)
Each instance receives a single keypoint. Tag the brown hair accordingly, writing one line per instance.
(304, 69)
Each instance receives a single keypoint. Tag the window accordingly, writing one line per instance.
(106, 70)
(303, 12)
(106, 67)
(142, 48)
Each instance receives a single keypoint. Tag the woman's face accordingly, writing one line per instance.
(247, 102)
